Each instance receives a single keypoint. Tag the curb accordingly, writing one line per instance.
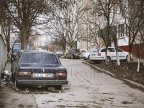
(134, 83)
(113, 75)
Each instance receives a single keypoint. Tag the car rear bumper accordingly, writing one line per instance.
(41, 82)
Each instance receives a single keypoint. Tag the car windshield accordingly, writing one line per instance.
(94, 50)
(39, 58)
(17, 46)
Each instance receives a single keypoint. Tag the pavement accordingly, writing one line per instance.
(87, 88)
(138, 85)
(6, 74)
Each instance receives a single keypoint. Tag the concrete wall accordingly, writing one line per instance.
(3, 54)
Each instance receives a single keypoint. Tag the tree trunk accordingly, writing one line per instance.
(118, 60)
(129, 57)
(106, 60)
(23, 40)
(8, 43)
(138, 66)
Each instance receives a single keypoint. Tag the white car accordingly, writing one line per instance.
(111, 54)
(86, 55)
(83, 51)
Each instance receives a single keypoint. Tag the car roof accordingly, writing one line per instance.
(36, 51)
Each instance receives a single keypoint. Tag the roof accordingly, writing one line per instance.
(36, 51)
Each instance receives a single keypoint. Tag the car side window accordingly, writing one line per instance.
(103, 50)
(111, 50)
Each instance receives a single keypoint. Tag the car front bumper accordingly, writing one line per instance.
(96, 58)
(41, 82)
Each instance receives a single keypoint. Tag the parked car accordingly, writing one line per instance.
(86, 55)
(111, 54)
(38, 68)
(59, 53)
(73, 53)
(17, 47)
(83, 50)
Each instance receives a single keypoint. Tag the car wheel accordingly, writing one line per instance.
(127, 59)
(16, 84)
(59, 87)
(88, 57)
(66, 56)
(72, 56)
(51, 88)
(108, 59)
(12, 78)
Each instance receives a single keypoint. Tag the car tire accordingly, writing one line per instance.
(12, 78)
(16, 84)
(59, 87)
(127, 58)
(51, 88)
(72, 56)
(88, 57)
(108, 59)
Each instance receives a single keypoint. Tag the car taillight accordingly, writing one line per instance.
(24, 74)
(61, 74)
(99, 54)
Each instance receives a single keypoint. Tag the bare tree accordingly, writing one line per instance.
(132, 13)
(106, 13)
(5, 21)
(23, 14)
(66, 27)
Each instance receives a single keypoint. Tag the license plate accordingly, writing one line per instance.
(42, 75)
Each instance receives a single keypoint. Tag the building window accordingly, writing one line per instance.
(121, 30)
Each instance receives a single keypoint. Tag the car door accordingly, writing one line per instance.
(112, 53)
(103, 52)
(122, 54)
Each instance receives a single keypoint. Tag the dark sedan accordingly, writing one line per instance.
(73, 53)
(38, 68)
